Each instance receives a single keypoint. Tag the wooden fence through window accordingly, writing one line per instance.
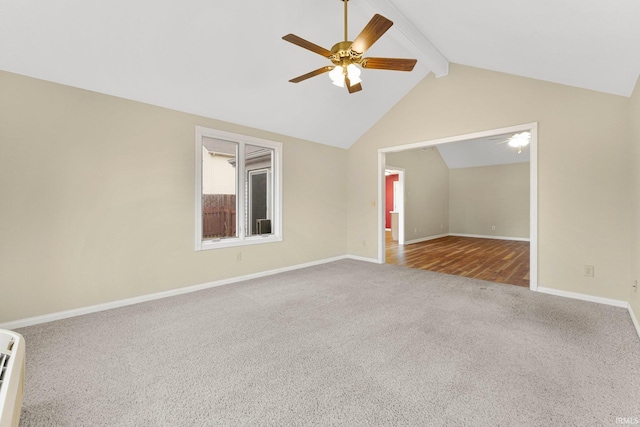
(218, 215)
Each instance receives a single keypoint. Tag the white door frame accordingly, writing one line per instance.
(533, 186)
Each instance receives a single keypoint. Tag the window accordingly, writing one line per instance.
(238, 187)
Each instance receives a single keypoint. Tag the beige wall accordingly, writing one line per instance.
(98, 200)
(487, 196)
(463, 201)
(426, 192)
(98, 204)
(635, 254)
(584, 199)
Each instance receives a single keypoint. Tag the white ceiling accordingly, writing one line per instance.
(592, 44)
(227, 60)
(487, 151)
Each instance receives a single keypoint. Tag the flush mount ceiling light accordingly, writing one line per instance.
(346, 56)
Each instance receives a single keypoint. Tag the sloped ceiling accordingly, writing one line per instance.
(591, 44)
(227, 60)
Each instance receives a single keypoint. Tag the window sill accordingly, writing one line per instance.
(234, 242)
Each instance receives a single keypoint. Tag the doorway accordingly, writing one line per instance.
(394, 206)
(530, 128)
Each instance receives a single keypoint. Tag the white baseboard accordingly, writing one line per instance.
(365, 259)
(150, 297)
(475, 236)
(482, 236)
(599, 300)
(584, 297)
(425, 239)
(634, 319)
(159, 295)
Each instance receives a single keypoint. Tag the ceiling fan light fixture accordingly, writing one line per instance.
(353, 72)
(520, 140)
(337, 76)
(346, 55)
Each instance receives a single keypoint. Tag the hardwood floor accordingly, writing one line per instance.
(501, 261)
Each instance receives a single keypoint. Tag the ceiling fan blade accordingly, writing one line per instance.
(355, 88)
(352, 88)
(311, 74)
(395, 64)
(371, 33)
(292, 38)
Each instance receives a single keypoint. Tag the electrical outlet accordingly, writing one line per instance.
(239, 256)
(493, 227)
(635, 286)
(588, 271)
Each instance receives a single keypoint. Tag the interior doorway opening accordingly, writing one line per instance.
(394, 203)
(496, 234)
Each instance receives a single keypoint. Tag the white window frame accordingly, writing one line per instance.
(276, 175)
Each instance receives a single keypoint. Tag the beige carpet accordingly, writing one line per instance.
(347, 343)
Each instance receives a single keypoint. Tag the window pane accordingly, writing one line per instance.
(238, 187)
(219, 189)
(259, 190)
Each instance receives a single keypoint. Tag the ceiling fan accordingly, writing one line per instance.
(346, 56)
(516, 140)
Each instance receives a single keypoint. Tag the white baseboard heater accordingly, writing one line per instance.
(12, 365)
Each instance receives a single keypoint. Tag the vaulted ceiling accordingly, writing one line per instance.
(227, 60)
